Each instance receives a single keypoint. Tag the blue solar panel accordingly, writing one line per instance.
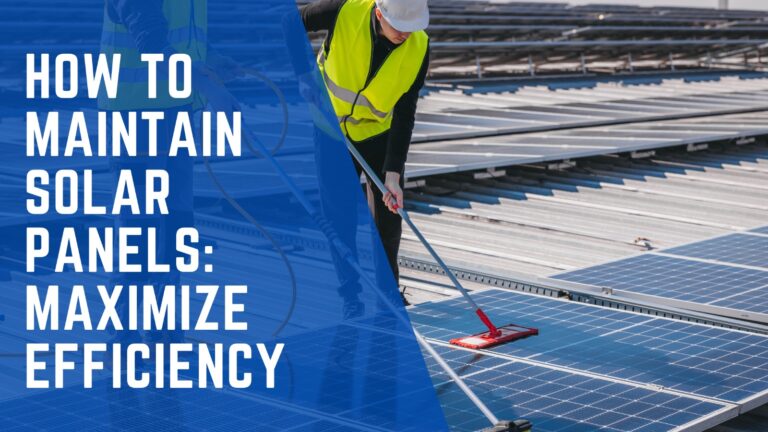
(697, 359)
(680, 279)
(557, 401)
(742, 249)
(761, 230)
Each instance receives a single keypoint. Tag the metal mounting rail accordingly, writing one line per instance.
(584, 294)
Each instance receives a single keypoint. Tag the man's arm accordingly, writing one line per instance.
(320, 15)
(403, 119)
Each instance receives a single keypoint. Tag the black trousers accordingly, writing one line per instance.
(341, 211)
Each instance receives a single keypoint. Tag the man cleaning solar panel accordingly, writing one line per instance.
(373, 63)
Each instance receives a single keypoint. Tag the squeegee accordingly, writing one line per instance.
(487, 339)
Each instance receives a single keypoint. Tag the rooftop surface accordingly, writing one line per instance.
(534, 222)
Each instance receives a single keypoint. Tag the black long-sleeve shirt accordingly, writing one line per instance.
(321, 15)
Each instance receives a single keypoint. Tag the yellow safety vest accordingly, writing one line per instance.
(187, 33)
(364, 109)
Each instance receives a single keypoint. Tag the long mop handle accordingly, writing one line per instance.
(349, 257)
(457, 379)
(404, 214)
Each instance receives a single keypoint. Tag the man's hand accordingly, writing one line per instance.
(392, 183)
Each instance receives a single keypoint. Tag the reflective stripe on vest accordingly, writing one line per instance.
(348, 96)
(364, 108)
(187, 33)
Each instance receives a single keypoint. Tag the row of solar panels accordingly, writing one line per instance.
(621, 13)
(462, 130)
(593, 368)
(475, 111)
(487, 153)
(484, 38)
(728, 272)
(726, 275)
(481, 39)
(445, 13)
(462, 32)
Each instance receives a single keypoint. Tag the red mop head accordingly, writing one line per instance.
(488, 339)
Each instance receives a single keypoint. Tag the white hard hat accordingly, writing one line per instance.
(405, 15)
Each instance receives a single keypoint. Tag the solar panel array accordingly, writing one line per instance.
(737, 248)
(492, 37)
(727, 275)
(592, 368)
(559, 401)
(680, 279)
(492, 109)
(694, 359)
(456, 155)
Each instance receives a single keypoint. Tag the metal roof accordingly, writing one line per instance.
(541, 221)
